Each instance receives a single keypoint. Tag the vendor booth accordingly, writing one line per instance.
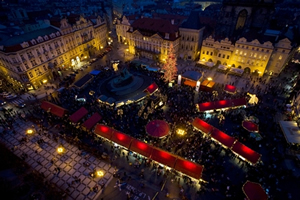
(189, 168)
(202, 126)
(121, 139)
(207, 86)
(53, 109)
(92, 121)
(151, 88)
(222, 104)
(79, 114)
(83, 82)
(254, 191)
(140, 148)
(245, 153)
(230, 89)
(250, 126)
(223, 68)
(163, 157)
(236, 71)
(191, 77)
(103, 131)
(291, 131)
(158, 128)
(225, 140)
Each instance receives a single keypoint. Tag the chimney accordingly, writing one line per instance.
(172, 21)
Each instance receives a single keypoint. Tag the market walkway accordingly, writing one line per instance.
(40, 152)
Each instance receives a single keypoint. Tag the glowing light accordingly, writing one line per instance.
(209, 78)
(45, 81)
(60, 149)
(100, 173)
(181, 132)
(29, 131)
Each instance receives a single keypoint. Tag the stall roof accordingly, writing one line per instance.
(192, 75)
(163, 157)
(223, 104)
(121, 139)
(202, 126)
(238, 102)
(190, 83)
(206, 106)
(230, 89)
(95, 72)
(246, 152)
(189, 168)
(254, 191)
(90, 122)
(291, 131)
(103, 131)
(79, 114)
(54, 109)
(140, 147)
(222, 137)
(84, 80)
(151, 88)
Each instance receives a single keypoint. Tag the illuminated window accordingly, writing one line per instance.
(236, 51)
(280, 57)
(255, 55)
(241, 52)
(245, 54)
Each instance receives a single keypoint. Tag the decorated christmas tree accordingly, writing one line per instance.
(169, 67)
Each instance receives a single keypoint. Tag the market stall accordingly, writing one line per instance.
(225, 140)
(53, 109)
(291, 131)
(207, 85)
(250, 126)
(163, 157)
(222, 104)
(121, 139)
(158, 128)
(189, 168)
(230, 89)
(151, 88)
(245, 153)
(191, 77)
(103, 131)
(79, 114)
(92, 121)
(202, 126)
(236, 71)
(140, 148)
(207, 106)
(254, 191)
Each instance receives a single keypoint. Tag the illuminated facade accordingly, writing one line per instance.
(250, 56)
(150, 38)
(30, 60)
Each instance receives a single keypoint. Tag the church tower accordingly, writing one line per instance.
(236, 16)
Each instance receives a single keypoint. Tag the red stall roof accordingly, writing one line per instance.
(189, 168)
(206, 106)
(79, 114)
(254, 191)
(238, 102)
(140, 147)
(54, 109)
(158, 128)
(223, 104)
(222, 137)
(90, 122)
(152, 88)
(250, 126)
(230, 89)
(246, 152)
(121, 139)
(103, 131)
(163, 157)
(202, 126)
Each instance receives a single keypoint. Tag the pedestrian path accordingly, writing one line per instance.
(41, 154)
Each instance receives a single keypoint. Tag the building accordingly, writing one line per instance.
(191, 32)
(251, 56)
(32, 59)
(151, 38)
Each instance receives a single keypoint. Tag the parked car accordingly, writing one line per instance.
(20, 105)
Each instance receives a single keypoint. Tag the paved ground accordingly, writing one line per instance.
(70, 162)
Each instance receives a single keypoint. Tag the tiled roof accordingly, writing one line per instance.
(193, 21)
(149, 26)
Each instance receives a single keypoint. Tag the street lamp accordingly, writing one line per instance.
(29, 131)
(181, 132)
(60, 150)
(100, 173)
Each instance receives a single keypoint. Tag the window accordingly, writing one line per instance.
(203, 52)
(255, 55)
(241, 52)
(26, 66)
(30, 75)
(265, 57)
(19, 69)
(245, 54)
(41, 59)
(236, 51)
(45, 68)
(227, 57)
(207, 52)
(280, 57)
(267, 51)
(283, 51)
(219, 55)
(211, 53)
(223, 56)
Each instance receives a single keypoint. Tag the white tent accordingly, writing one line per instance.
(291, 131)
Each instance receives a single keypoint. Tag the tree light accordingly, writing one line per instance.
(180, 132)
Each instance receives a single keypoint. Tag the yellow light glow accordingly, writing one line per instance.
(85, 56)
(45, 81)
(60, 150)
(101, 47)
(127, 49)
(180, 132)
(100, 173)
(29, 131)
(125, 43)
(209, 78)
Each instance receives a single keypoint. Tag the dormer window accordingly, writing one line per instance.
(33, 42)
(46, 37)
(57, 34)
(167, 36)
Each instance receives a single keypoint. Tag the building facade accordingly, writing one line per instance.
(250, 56)
(30, 60)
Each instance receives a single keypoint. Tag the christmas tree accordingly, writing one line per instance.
(169, 67)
